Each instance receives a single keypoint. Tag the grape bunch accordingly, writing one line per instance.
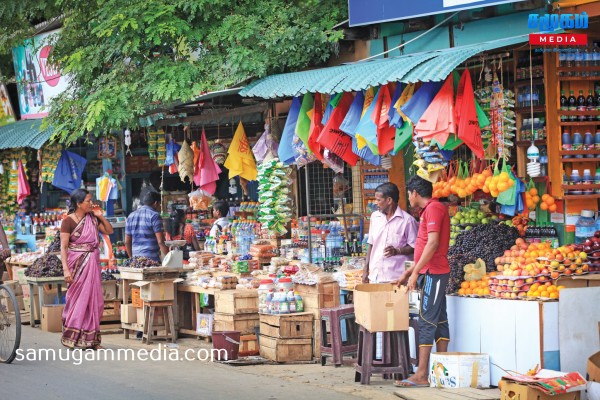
(46, 266)
(55, 245)
(486, 241)
(141, 262)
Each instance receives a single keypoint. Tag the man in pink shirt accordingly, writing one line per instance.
(392, 236)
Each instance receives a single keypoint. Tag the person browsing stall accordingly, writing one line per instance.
(144, 232)
(220, 212)
(392, 235)
(430, 273)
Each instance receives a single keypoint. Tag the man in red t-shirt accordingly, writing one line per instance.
(430, 273)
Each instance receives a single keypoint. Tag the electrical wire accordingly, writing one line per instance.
(411, 40)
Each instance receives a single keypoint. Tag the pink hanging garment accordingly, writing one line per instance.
(208, 169)
(23, 186)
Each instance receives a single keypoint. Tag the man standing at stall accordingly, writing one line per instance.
(430, 273)
(392, 235)
(144, 232)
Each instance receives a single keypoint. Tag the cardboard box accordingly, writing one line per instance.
(593, 368)
(135, 297)
(109, 290)
(381, 307)
(515, 391)
(163, 290)
(9, 304)
(459, 370)
(204, 324)
(139, 315)
(236, 302)
(20, 275)
(128, 314)
(287, 326)
(244, 323)
(52, 318)
(15, 286)
(285, 350)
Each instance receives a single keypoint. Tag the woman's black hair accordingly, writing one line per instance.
(176, 220)
(77, 197)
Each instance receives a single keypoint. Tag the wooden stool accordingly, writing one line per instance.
(395, 361)
(166, 307)
(343, 334)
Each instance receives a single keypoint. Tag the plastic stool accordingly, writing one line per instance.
(395, 361)
(344, 337)
(166, 307)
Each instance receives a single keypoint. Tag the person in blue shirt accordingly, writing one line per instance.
(144, 232)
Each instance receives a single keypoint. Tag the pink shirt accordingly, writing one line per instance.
(400, 231)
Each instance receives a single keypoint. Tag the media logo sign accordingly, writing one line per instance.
(552, 22)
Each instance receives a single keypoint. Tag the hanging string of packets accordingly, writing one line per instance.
(274, 212)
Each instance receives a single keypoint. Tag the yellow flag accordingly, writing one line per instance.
(240, 160)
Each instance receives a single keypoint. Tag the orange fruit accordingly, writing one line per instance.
(554, 295)
(550, 200)
(461, 291)
(552, 207)
(533, 191)
(544, 206)
(473, 285)
(545, 196)
(464, 285)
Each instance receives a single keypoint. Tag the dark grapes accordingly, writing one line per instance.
(485, 241)
(46, 266)
(141, 262)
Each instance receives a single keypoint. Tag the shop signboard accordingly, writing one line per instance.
(7, 115)
(377, 11)
(37, 81)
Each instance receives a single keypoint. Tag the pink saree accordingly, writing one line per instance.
(85, 301)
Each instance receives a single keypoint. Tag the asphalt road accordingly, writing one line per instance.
(132, 380)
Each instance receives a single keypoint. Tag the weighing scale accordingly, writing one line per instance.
(174, 258)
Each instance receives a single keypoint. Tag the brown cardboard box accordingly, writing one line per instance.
(9, 304)
(156, 290)
(52, 318)
(128, 314)
(15, 287)
(381, 307)
(515, 391)
(593, 368)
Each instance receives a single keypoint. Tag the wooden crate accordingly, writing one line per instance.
(244, 323)
(248, 345)
(109, 290)
(236, 302)
(112, 311)
(322, 295)
(285, 350)
(287, 326)
(316, 348)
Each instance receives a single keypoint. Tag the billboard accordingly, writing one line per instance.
(7, 115)
(37, 81)
(376, 11)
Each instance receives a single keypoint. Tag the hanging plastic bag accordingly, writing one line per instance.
(507, 186)
(23, 190)
(199, 200)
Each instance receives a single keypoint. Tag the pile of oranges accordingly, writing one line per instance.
(495, 185)
(532, 199)
(545, 290)
(478, 288)
(478, 181)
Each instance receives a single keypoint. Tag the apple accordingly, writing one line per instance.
(587, 249)
(513, 295)
(522, 294)
(547, 284)
(567, 272)
(554, 274)
(596, 246)
(542, 279)
(588, 242)
(544, 271)
(529, 280)
(597, 234)
(559, 257)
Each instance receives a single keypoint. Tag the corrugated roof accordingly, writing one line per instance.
(429, 66)
(24, 133)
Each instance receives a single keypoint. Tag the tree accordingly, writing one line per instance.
(127, 57)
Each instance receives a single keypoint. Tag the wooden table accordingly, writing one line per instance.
(59, 281)
(196, 291)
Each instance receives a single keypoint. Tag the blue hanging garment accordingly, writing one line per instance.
(69, 169)
(286, 152)
(416, 106)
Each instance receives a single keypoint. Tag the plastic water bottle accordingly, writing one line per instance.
(299, 302)
(597, 180)
(291, 300)
(27, 225)
(575, 180)
(585, 226)
(597, 226)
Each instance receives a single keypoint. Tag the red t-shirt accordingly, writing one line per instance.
(434, 218)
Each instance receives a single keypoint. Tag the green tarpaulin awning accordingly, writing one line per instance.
(423, 67)
(24, 133)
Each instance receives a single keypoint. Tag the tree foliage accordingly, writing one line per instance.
(126, 57)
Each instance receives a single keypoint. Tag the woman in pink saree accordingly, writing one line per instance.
(81, 265)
